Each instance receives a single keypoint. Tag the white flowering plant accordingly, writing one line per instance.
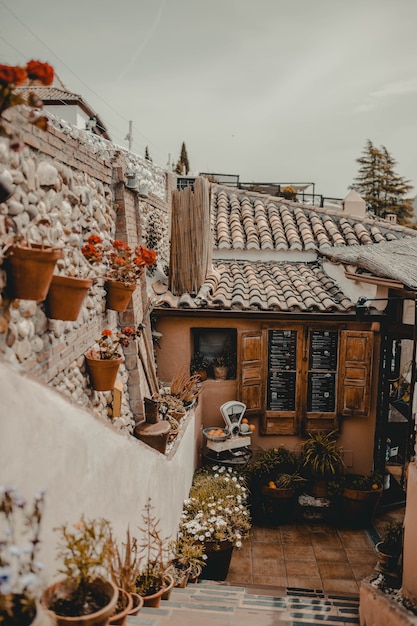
(216, 509)
(20, 580)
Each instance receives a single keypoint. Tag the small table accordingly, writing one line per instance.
(230, 458)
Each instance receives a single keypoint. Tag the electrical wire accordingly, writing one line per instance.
(79, 79)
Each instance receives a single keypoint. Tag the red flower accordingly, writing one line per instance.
(12, 75)
(94, 239)
(107, 332)
(41, 72)
(120, 245)
(148, 256)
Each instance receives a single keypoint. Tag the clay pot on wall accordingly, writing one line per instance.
(66, 296)
(29, 270)
(220, 372)
(118, 295)
(102, 372)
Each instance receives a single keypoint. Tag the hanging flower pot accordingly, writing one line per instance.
(102, 372)
(29, 270)
(118, 295)
(65, 297)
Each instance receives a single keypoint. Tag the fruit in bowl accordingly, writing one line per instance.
(216, 434)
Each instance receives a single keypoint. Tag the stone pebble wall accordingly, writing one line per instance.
(74, 180)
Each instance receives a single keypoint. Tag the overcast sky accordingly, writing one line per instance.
(272, 90)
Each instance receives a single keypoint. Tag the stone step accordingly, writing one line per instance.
(213, 604)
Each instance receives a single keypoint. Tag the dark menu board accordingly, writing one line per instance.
(323, 350)
(282, 349)
(282, 360)
(321, 392)
(281, 391)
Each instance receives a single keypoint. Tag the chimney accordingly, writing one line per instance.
(391, 217)
(354, 204)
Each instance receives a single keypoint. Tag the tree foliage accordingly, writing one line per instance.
(183, 164)
(381, 187)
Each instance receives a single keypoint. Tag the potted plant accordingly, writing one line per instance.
(20, 582)
(216, 515)
(29, 267)
(153, 577)
(187, 559)
(360, 497)
(104, 358)
(390, 547)
(124, 567)
(200, 365)
(221, 365)
(122, 266)
(280, 497)
(321, 461)
(262, 472)
(84, 594)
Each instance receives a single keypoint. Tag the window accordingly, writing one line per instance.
(302, 378)
(210, 343)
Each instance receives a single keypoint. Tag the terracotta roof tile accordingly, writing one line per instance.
(260, 222)
(266, 286)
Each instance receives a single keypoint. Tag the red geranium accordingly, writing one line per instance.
(122, 263)
(108, 346)
(41, 72)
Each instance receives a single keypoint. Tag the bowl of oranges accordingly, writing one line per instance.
(216, 434)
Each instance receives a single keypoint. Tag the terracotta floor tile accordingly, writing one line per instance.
(305, 583)
(297, 536)
(323, 539)
(241, 564)
(298, 553)
(324, 553)
(276, 581)
(275, 567)
(300, 569)
(266, 551)
(362, 570)
(266, 534)
(361, 556)
(335, 570)
(340, 586)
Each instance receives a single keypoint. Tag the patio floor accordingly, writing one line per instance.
(308, 555)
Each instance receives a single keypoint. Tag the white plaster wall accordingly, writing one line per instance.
(85, 466)
(351, 288)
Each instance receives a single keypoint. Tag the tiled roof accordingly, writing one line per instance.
(243, 285)
(252, 221)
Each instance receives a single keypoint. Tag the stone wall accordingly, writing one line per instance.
(75, 181)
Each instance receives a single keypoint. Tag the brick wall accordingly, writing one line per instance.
(76, 181)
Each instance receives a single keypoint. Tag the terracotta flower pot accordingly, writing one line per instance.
(137, 604)
(120, 616)
(220, 372)
(167, 590)
(118, 295)
(65, 297)
(66, 588)
(29, 271)
(359, 506)
(154, 599)
(102, 372)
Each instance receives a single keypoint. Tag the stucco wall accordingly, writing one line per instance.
(357, 433)
(84, 465)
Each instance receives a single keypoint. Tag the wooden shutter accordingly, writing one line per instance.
(252, 371)
(356, 350)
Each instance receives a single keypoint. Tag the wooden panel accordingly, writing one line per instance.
(251, 387)
(356, 350)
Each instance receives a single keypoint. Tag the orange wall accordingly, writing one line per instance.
(357, 434)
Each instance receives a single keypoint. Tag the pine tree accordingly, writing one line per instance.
(380, 186)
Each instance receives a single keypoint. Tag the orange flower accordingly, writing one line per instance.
(107, 332)
(41, 72)
(123, 264)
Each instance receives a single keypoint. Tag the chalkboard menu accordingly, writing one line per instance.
(321, 392)
(323, 350)
(282, 360)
